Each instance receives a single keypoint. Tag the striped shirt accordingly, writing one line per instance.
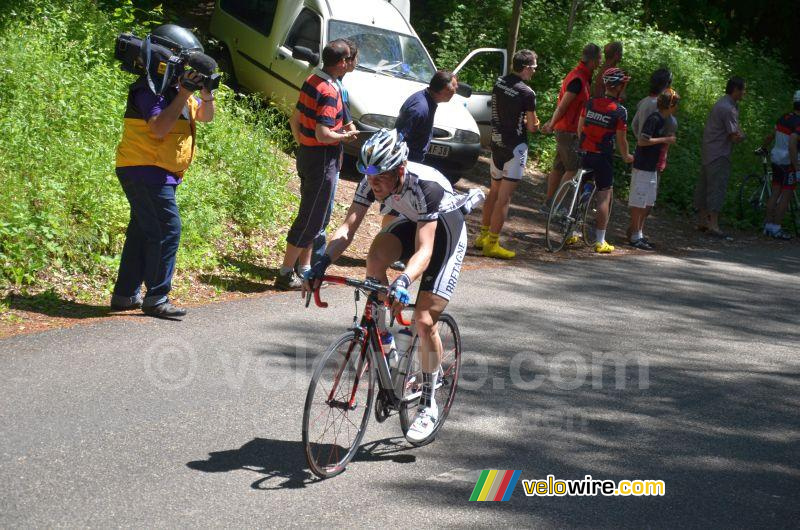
(319, 102)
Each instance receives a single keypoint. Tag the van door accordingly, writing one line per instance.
(248, 26)
(480, 69)
(290, 72)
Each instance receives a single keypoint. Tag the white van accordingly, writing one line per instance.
(271, 46)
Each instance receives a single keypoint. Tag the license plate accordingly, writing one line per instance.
(439, 150)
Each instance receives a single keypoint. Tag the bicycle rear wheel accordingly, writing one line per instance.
(753, 196)
(332, 427)
(559, 224)
(447, 382)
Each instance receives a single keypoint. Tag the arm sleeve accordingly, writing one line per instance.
(148, 103)
(732, 121)
(364, 195)
(622, 119)
(575, 86)
(650, 126)
(327, 106)
(428, 207)
(530, 101)
(407, 120)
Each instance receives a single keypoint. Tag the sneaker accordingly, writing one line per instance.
(781, 234)
(480, 241)
(165, 310)
(117, 306)
(641, 244)
(574, 239)
(496, 251)
(289, 281)
(603, 248)
(423, 425)
(652, 245)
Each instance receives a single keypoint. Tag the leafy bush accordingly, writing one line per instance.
(701, 69)
(62, 98)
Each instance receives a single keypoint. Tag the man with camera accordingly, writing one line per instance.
(157, 146)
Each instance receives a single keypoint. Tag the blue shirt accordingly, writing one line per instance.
(346, 116)
(415, 123)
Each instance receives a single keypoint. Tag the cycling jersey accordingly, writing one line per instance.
(511, 99)
(787, 125)
(603, 117)
(425, 194)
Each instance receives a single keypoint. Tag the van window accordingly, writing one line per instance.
(306, 31)
(258, 14)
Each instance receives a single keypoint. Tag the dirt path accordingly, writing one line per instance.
(524, 232)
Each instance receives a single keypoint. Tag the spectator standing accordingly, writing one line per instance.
(612, 56)
(722, 130)
(575, 92)
(513, 117)
(415, 121)
(317, 125)
(644, 180)
(320, 243)
(784, 169)
(157, 146)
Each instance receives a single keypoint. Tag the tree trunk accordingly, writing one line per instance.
(513, 30)
(572, 12)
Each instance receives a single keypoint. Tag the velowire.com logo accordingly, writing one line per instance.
(495, 485)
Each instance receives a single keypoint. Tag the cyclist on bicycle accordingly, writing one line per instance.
(602, 121)
(784, 169)
(428, 233)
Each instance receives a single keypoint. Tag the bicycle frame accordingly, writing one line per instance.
(577, 179)
(371, 348)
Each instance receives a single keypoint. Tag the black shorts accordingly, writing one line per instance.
(784, 177)
(449, 248)
(602, 167)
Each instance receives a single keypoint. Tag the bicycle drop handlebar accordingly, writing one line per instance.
(366, 286)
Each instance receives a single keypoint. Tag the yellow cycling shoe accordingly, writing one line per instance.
(603, 248)
(494, 250)
(574, 239)
(481, 239)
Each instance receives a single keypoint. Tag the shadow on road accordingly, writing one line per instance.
(283, 463)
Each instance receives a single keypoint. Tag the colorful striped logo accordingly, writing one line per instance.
(495, 485)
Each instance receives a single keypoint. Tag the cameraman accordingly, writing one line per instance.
(157, 146)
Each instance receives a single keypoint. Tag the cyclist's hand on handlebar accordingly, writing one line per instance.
(313, 278)
(398, 293)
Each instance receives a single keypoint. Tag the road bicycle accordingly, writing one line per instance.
(755, 191)
(573, 211)
(341, 395)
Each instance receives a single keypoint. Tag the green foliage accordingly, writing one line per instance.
(701, 69)
(62, 97)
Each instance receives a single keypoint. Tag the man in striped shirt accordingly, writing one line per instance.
(317, 125)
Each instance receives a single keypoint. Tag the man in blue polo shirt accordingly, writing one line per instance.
(415, 121)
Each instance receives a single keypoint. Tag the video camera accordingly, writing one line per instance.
(159, 63)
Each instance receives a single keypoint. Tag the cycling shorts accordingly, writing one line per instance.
(449, 248)
(602, 167)
(784, 177)
(508, 164)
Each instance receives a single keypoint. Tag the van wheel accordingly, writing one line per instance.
(225, 64)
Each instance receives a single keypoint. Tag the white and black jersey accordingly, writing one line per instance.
(425, 194)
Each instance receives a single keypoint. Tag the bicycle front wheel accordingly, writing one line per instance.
(446, 383)
(560, 220)
(338, 406)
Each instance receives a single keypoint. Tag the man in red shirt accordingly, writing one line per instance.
(317, 125)
(575, 92)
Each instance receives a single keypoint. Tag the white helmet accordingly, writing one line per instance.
(381, 153)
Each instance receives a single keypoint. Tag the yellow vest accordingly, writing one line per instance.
(174, 152)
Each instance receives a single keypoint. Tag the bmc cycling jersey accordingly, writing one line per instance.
(787, 125)
(425, 194)
(603, 117)
(511, 99)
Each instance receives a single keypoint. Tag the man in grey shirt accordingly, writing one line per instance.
(721, 132)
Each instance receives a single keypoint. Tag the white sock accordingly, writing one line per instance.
(304, 269)
(601, 236)
(636, 236)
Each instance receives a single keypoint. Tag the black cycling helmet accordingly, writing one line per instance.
(176, 38)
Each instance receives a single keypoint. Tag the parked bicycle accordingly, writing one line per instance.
(342, 395)
(755, 190)
(573, 212)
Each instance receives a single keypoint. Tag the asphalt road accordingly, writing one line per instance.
(140, 422)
